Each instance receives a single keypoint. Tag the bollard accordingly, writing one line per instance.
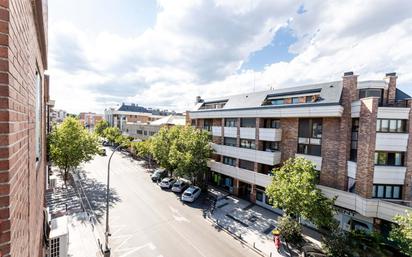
(254, 245)
(270, 254)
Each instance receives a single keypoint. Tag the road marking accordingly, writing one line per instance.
(135, 249)
(178, 217)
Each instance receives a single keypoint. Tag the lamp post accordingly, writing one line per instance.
(107, 234)
(106, 251)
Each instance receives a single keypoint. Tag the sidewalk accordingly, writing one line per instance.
(251, 223)
(83, 233)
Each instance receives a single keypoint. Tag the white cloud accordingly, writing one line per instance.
(197, 48)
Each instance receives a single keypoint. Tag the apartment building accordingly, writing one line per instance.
(358, 134)
(143, 131)
(89, 119)
(119, 116)
(24, 91)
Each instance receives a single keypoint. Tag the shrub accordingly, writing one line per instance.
(290, 229)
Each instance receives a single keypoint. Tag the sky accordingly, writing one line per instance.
(162, 54)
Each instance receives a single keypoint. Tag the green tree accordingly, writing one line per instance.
(111, 134)
(190, 153)
(71, 144)
(293, 189)
(100, 127)
(162, 143)
(290, 229)
(401, 233)
(142, 149)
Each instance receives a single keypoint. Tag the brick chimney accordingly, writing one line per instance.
(391, 92)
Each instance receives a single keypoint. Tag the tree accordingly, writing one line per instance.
(142, 149)
(184, 150)
(111, 134)
(190, 153)
(71, 144)
(293, 189)
(401, 233)
(290, 229)
(100, 127)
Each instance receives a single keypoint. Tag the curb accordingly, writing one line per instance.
(236, 237)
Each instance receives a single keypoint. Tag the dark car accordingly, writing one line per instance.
(158, 175)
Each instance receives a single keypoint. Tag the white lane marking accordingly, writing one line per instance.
(135, 249)
(177, 216)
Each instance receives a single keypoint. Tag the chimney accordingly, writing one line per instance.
(350, 88)
(198, 99)
(391, 93)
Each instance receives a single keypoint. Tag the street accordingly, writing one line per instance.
(148, 221)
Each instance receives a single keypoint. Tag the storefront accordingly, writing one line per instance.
(263, 200)
(222, 181)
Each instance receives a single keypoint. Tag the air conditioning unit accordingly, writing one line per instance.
(59, 238)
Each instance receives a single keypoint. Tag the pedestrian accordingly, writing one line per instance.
(277, 243)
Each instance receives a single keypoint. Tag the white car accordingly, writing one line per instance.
(179, 186)
(167, 183)
(191, 194)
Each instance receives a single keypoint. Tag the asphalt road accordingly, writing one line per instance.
(147, 221)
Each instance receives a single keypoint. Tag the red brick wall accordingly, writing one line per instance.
(289, 142)
(366, 146)
(330, 175)
(22, 179)
(407, 194)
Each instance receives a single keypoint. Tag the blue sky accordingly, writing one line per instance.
(165, 53)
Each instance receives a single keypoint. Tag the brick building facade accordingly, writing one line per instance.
(357, 133)
(23, 91)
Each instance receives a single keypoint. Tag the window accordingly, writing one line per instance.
(139, 131)
(272, 123)
(354, 140)
(308, 99)
(247, 165)
(266, 169)
(207, 125)
(145, 133)
(277, 101)
(38, 116)
(231, 122)
(229, 161)
(248, 122)
(295, 100)
(368, 92)
(387, 191)
(270, 146)
(193, 122)
(310, 134)
(390, 158)
(247, 143)
(392, 126)
(230, 141)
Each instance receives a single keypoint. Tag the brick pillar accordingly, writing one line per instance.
(235, 187)
(253, 194)
(349, 94)
(366, 146)
(407, 191)
(289, 142)
(391, 92)
(188, 121)
(330, 174)
(238, 133)
(200, 123)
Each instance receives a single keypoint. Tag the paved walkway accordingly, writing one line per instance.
(251, 223)
(83, 229)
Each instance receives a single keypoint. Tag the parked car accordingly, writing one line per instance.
(191, 194)
(158, 175)
(179, 186)
(167, 182)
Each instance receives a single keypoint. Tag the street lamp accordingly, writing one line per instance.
(106, 252)
(106, 234)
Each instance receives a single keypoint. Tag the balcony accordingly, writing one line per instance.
(315, 159)
(248, 133)
(230, 131)
(389, 175)
(241, 174)
(397, 142)
(393, 113)
(216, 131)
(269, 158)
(270, 134)
(367, 207)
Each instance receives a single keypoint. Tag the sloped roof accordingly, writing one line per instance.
(171, 120)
